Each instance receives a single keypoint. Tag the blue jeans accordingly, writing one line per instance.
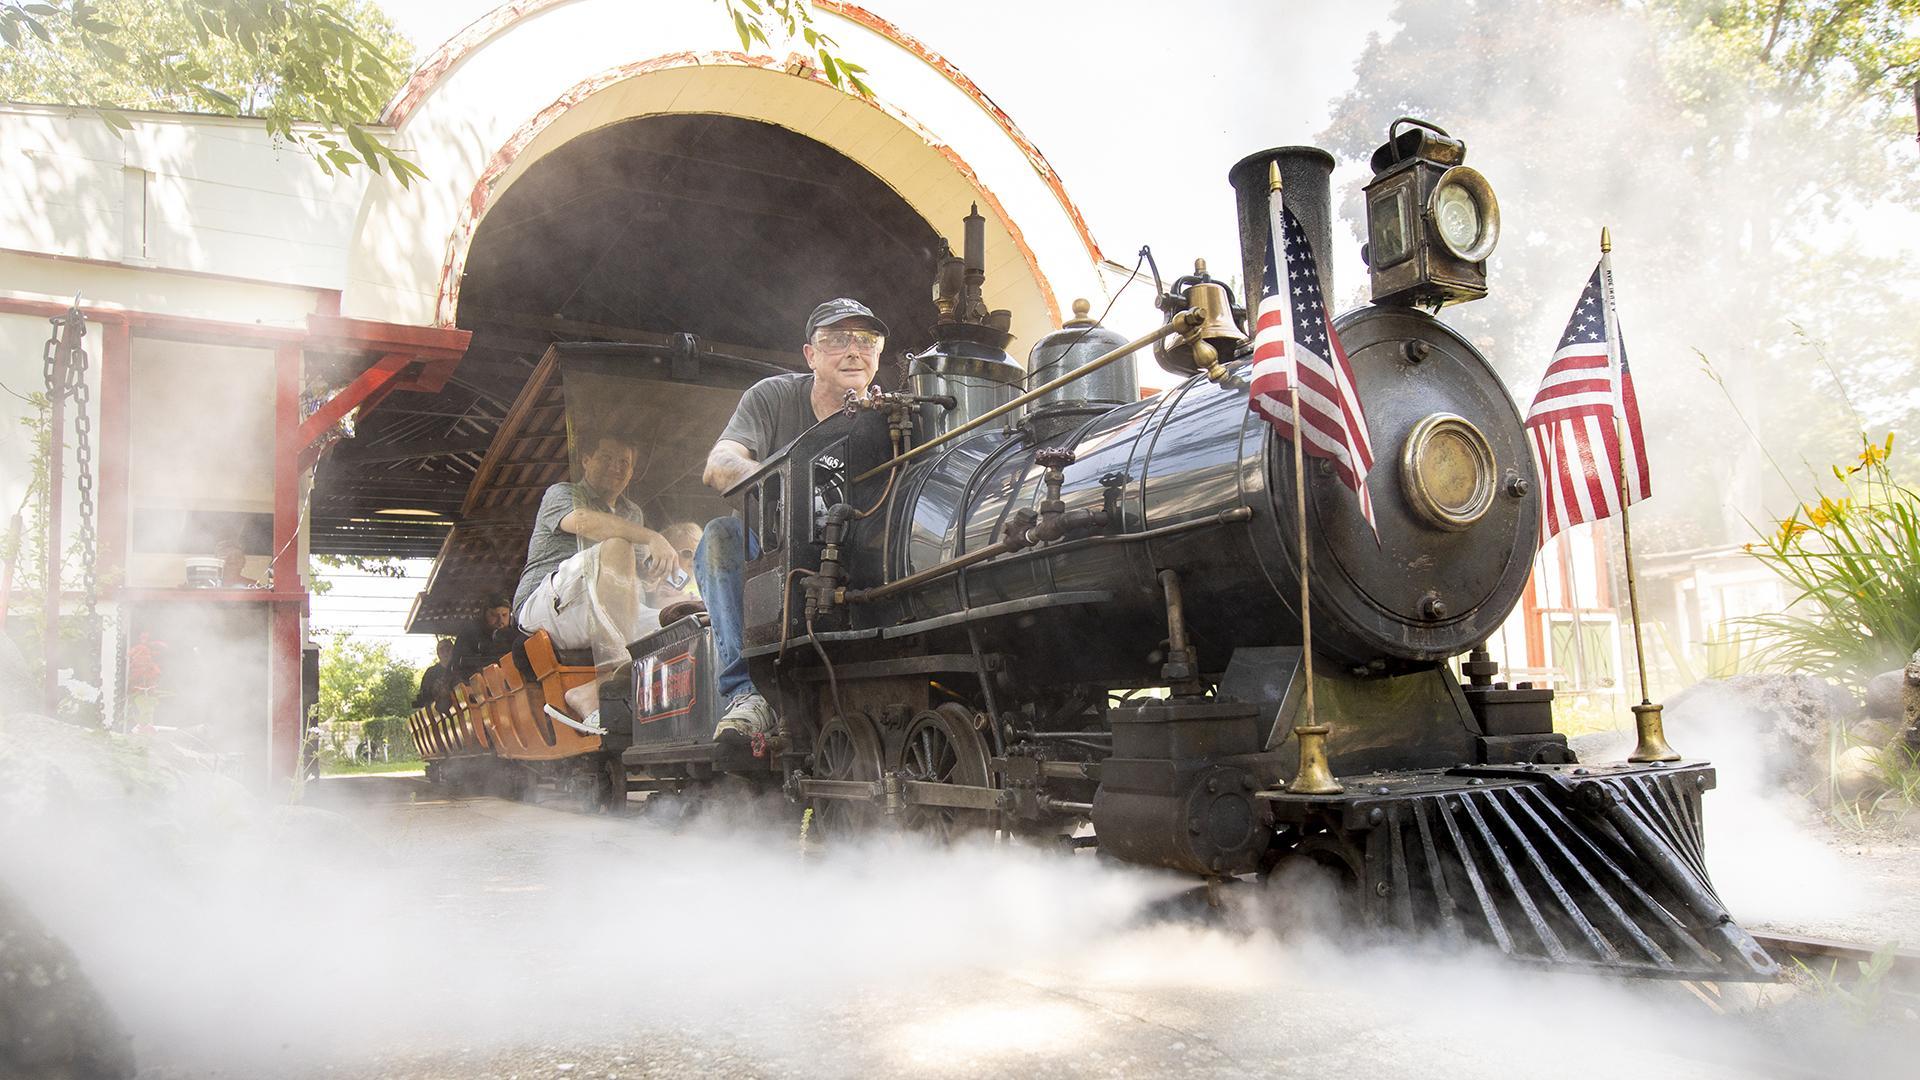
(719, 566)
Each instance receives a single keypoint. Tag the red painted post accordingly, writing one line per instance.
(1536, 633)
(284, 633)
(116, 395)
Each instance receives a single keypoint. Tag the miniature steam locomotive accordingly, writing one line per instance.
(977, 607)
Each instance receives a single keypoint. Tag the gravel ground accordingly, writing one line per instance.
(1885, 867)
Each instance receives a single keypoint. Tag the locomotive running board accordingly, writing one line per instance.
(1587, 866)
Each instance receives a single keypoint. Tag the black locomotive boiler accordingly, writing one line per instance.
(978, 607)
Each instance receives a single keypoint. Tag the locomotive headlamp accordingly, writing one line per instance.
(1431, 221)
(1468, 219)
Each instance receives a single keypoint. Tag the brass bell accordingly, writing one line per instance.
(1203, 348)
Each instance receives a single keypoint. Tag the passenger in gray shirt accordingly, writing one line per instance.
(843, 344)
(580, 525)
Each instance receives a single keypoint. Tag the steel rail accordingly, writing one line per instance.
(1906, 962)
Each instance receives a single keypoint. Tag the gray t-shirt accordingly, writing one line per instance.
(550, 545)
(772, 413)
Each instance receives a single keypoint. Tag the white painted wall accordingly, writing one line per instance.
(199, 193)
(201, 439)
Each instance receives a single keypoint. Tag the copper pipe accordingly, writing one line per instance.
(998, 547)
(1178, 324)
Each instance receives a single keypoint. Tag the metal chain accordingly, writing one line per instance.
(83, 471)
(74, 386)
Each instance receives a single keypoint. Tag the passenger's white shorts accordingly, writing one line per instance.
(592, 601)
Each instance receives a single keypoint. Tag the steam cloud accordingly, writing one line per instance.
(241, 940)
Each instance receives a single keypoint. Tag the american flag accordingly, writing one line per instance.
(1293, 341)
(1576, 441)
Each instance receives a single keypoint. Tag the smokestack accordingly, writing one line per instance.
(1306, 174)
(974, 247)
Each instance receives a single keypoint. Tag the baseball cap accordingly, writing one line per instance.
(839, 309)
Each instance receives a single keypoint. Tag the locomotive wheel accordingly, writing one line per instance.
(848, 748)
(943, 747)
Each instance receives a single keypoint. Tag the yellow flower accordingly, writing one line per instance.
(1874, 455)
(1790, 529)
(1827, 512)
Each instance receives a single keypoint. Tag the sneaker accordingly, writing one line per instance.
(746, 716)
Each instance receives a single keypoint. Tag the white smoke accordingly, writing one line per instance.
(239, 939)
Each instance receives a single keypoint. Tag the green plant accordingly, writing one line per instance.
(1898, 767)
(1865, 999)
(1853, 559)
(752, 19)
(288, 62)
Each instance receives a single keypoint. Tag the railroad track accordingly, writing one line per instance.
(1821, 954)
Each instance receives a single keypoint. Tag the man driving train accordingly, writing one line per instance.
(843, 340)
(585, 558)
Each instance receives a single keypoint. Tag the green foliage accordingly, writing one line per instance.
(753, 19)
(25, 550)
(362, 681)
(1744, 154)
(319, 586)
(1866, 1001)
(1853, 559)
(288, 62)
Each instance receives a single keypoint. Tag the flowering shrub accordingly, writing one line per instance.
(1853, 558)
(143, 682)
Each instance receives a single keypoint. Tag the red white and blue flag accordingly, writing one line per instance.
(1294, 346)
(1576, 418)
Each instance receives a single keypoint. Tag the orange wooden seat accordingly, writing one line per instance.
(525, 701)
(420, 729)
(509, 713)
(506, 741)
(472, 725)
(550, 682)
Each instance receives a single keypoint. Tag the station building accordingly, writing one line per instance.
(594, 170)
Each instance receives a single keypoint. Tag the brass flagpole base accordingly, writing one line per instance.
(1653, 735)
(1314, 778)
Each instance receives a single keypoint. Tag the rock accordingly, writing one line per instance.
(1856, 772)
(53, 1025)
(1873, 733)
(1885, 692)
(1795, 717)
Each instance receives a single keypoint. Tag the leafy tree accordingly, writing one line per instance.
(285, 61)
(752, 19)
(1744, 152)
(361, 681)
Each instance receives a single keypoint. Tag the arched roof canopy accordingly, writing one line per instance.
(507, 91)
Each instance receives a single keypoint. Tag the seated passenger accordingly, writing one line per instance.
(585, 559)
(677, 586)
(437, 682)
(486, 641)
(843, 340)
(233, 564)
